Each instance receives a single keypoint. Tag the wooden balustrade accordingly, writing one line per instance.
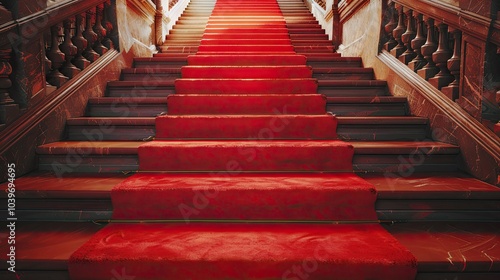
(42, 47)
(449, 47)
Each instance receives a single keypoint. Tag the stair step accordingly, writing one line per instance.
(257, 72)
(258, 155)
(367, 106)
(246, 48)
(151, 74)
(296, 197)
(206, 104)
(236, 36)
(126, 107)
(246, 60)
(141, 62)
(140, 89)
(338, 73)
(246, 126)
(253, 41)
(322, 61)
(370, 156)
(382, 128)
(106, 128)
(257, 250)
(352, 88)
(246, 86)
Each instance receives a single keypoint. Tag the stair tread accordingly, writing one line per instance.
(407, 120)
(430, 242)
(131, 121)
(431, 186)
(352, 83)
(362, 99)
(130, 147)
(128, 100)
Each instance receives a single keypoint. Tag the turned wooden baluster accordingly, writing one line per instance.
(453, 64)
(69, 50)
(5, 81)
(99, 30)
(441, 56)
(407, 37)
(81, 44)
(418, 62)
(159, 23)
(398, 32)
(57, 59)
(108, 42)
(389, 27)
(430, 69)
(91, 38)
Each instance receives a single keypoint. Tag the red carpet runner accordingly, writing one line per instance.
(247, 123)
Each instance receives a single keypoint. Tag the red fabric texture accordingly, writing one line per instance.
(242, 251)
(257, 117)
(313, 197)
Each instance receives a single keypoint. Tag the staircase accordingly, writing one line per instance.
(416, 178)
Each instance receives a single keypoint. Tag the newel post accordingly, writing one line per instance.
(159, 23)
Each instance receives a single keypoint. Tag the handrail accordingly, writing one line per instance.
(455, 50)
(41, 51)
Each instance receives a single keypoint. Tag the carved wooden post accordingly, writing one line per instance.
(99, 30)
(108, 41)
(389, 27)
(454, 66)
(428, 49)
(441, 56)
(397, 32)
(159, 23)
(417, 43)
(8, 109)
(91, 37)
(68, 69)
(56, 58)
(81, 43)
(407, 37)
(336, 29)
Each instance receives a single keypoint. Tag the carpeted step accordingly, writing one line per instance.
(246, 86)
(235, 36)
(250, 155)
(267, 127)
(256, 72)
(246, 48)
(246, 60)
(231, 104)
(243, 251)
(247, 41)
(292, 197)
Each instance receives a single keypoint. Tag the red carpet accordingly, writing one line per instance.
(246, 138)
(333, 197)
(243, 251)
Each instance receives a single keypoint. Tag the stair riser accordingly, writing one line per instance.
(140, 92)
(244, 158)
(213, 36)
(246, 72)
(151, 76)
(264, 105)
(162, 63)
(361, 110)
(396, 164)
(344, 76)
(382, 132)
(254, 41)
(247, 60)
(352, 91)
(204, 86)
(272, 127)
(246, 48)
(333, 63)
(110, 132)
(125, 110)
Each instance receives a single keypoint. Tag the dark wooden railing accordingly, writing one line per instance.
(44, 44)
(454, 49)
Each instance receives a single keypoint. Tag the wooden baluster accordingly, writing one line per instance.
(108, 42)
(398, 32)
(441, 56)
(99, 30)
(5, 81)
(407, 37)
(453, 64)
(81, 44)
(91, 37)
(430, 69)
(68, 69)
(418, 62)
(336, 26)
(389, 27)
(57, 59)
(159, 23)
